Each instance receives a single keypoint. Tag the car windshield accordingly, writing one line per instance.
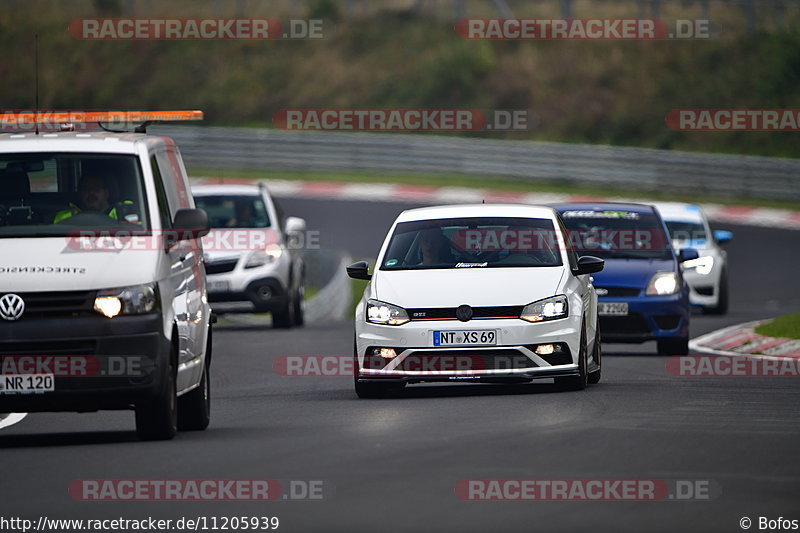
(52, 195)
(480, 242)
(232, 211)
(686, 231)
(616, 234)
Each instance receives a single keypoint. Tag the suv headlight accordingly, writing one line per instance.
(662, 284)
(387, 314)
(702, 265)
(258, 258)
(547, 309)
(133, 300)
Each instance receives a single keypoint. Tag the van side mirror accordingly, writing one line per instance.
(687, 254)
(359, 270)
(723, 236)
(588, 264)
(189, 224)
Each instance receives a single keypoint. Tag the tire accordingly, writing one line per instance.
(722, 298)
(194, 408)
(157, 419)
(571, 383)
(299, 312)
(678, 346)
(284, 317)
(597, 356)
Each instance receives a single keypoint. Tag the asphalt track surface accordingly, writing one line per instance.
(393, 464)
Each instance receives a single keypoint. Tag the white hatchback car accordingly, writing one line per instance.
(487, 293)
(249, 253)
(707, 275)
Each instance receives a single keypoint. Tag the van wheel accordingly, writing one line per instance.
(568, 383)
(194, 408)
(157, 419)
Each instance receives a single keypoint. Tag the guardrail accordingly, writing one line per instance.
(534, 162)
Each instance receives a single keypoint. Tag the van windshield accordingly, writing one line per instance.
(53, 195)
(479, 242)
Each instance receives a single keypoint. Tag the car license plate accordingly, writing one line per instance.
(612, 308)
(465, 338)
(219, 286)
(26, 383)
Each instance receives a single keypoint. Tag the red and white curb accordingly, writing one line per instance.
(428, 194)
(742, 339)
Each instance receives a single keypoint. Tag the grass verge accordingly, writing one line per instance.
(786, 326)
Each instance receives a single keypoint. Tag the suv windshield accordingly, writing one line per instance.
(229, 211)
(686, 231)
(52, 195)
(482, 242)
(617, 233)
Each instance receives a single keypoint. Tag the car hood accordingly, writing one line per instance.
(470, 286)
(634, 273)
(62, 264)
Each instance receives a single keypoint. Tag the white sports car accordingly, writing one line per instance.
(707, 275)
(489, 293)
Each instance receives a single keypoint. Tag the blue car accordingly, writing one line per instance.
(642, 294)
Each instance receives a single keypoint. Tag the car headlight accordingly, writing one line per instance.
(662, 284)
(702, 265)
(133, 300)
(547, 309)
(387, 314)
(258, 258)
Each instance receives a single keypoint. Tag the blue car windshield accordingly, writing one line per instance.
(617, 234)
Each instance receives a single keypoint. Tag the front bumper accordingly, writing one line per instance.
(265, 294)
(703, 288)
(97, 363)
(648, 318)
(512, 358)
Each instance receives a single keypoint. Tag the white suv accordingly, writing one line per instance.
(488, 293)
(249, 254)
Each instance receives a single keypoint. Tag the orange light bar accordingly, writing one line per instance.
(99, 116)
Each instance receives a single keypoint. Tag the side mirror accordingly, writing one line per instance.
(723, 236)
(589, 264)
(359, 270)
(189, 224)
(294, 225)
(687, 254)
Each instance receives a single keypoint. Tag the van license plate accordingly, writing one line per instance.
(26, 383)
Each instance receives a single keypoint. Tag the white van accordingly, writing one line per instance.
(103, 300)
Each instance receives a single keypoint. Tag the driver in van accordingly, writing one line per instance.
(93, 194)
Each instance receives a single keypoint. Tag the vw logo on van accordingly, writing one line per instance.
(11, 307)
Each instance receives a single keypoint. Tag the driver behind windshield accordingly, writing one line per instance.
(93, 195)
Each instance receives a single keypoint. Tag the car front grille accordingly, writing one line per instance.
(617, 292)
(62, 347)
(56, 303)
(632, 324)
(478, 313)
(221, 267)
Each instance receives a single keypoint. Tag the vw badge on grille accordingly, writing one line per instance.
(11, 307)
(464, 313)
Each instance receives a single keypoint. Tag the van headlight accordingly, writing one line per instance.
(662, 284)
(702, 265)
(258, 258)
(387, 314)
(133, 300)
(547, 309)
